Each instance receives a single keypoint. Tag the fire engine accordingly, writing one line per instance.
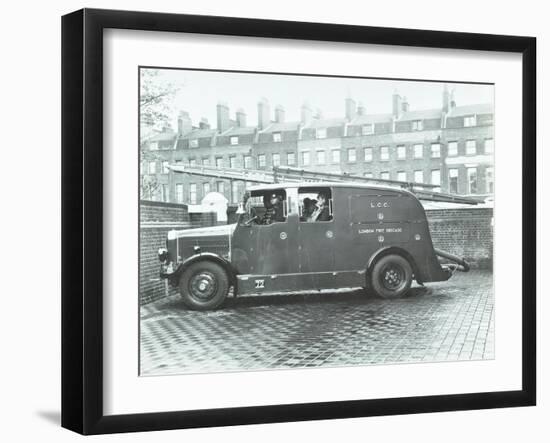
(300, 230)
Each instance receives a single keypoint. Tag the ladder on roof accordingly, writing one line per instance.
(280, 174)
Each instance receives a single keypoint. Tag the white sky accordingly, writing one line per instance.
(201, 90)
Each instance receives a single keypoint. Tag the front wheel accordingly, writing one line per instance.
(203, 286)
(391, 276)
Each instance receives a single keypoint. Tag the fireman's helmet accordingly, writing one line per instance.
(271, 200)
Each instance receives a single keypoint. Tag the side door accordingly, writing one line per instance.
(267, 249)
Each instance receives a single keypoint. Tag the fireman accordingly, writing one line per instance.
(273, 209)
(321, 212)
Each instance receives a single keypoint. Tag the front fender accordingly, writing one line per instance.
(208, 256)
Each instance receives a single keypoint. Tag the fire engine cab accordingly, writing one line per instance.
(308, 236)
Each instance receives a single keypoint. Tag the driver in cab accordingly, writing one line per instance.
(273, 204)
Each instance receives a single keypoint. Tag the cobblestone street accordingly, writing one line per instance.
(445, 321)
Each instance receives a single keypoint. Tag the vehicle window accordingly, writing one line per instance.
(315, 204)
(266, 207)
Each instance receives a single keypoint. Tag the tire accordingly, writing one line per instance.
(391, 276)
(203, 286)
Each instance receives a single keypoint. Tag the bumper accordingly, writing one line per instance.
(169, 271)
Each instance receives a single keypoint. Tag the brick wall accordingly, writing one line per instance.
(156, 219)
(466, 232)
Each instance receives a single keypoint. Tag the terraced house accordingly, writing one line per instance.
(451, 146)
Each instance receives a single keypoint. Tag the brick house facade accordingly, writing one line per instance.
(451, 146)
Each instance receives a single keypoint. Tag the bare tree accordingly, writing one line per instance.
(155, 103)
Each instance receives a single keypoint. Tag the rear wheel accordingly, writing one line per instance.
(203, 286)
(391, 276)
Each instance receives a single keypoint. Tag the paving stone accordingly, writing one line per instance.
(444, 321)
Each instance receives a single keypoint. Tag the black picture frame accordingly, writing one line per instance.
(82, 215)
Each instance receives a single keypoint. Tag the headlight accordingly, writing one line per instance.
(163, 254)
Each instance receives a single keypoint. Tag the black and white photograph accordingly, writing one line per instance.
(305, 221)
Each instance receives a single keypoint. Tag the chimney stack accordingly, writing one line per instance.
(241, 118)
(279, 114)
(453, 103)
(396, 105)
(351, 109)
(405, 105)
(361, 109)
(224, 123)
(184, 123)
(203, 124)
(306, 114)
(264, 118)
(446, 99)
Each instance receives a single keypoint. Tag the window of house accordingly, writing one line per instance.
(276, 159)
(490, 180)
(179, 192)
(384, 153)
(220, 187)
(469, 121)
(385, 175)
(152, 167)
(321, 157)
(489, 146)
(248, 161)
(352, 155)
(367, 129)
(194, 143)
(402, 176)
(401, 152)
(471, 147)
(235, 191)
(368, 154)
(219, 162)
(315, 204)
(321, 133)
(165, 165)
(261, 160)
(436, 179)
(419, 176)
(436, 150)
(277, 137)
(192, 162)
(453, 181)
(305, 158)
(205, 189)
(290, 158)
(153, 146)
(472, 180)
(418, 151)
(193, 193)
(234, 140)
(165, 194)
(368, 175)
(417, 125)
(206, 161)
(232, 161)
(452, 149)
(335, 155)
